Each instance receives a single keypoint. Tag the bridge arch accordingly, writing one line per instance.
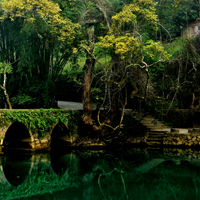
(17, 135)
(60, 135)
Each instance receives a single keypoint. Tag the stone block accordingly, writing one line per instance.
(190, 143)
(179, 143)
(169, 138)
(194, 134)
(194, 138)
(189, 137)
(174, 143)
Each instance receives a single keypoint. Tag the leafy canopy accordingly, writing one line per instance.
(32, 10)
(126, 34)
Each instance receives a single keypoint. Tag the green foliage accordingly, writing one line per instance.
(5, 68)
(174, 15)
(176, 47)
(40, 121)
(22, 99)
(38, 48)
(125, 36)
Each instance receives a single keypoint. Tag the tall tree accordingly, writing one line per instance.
(95, 12)
(133, 52)
(45, 40)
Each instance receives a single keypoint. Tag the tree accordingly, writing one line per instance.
(128, 41)
(94, 12)
(44, 43)
(5, 69)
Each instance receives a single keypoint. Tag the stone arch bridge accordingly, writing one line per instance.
(16, 130)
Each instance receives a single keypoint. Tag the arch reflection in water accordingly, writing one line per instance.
(60, 136)
(61, 163)
(19, 167)
(17, 136)
(16, 168)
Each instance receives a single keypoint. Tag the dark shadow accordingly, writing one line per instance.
(17, 136)
(60, 163)
(16, 168)
(60, 136)
(196, 122)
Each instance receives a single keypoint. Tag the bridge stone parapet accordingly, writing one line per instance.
(36, 129)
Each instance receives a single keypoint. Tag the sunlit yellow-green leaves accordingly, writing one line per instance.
(125, 36)
(46, 10)
(152, 49)
(139, 10)
(122, 44)
(5, 68)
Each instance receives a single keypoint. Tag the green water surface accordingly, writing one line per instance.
(141, 174)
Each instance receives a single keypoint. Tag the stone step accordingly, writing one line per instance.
(155, 136)
(149, 118)
(155, 139)
(180, 130)
(150, 121)
(154, 124)
(151, 124)
(156, 133)
(161, 129)
(157, 126)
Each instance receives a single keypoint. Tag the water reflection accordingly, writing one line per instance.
(16, 169)
(134, 174)
(60, 163)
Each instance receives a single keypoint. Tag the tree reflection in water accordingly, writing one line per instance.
(134, 174)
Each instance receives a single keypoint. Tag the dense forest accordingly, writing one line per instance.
(115, 54)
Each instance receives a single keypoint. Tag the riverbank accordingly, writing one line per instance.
(44, 130)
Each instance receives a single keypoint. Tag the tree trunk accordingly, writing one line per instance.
(4, 89)
(7, 98)
(88, 67)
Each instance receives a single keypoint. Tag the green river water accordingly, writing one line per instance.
(141, 174)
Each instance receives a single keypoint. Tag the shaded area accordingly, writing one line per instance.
(144, 168)
(16, 168)
(60, 136)
(137, 174)
(60, 163)
(17, 136)
(72, 193)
